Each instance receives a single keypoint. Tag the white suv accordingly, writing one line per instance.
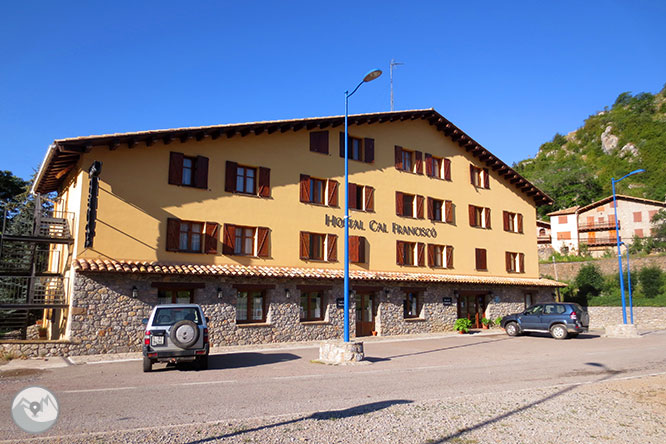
(176, 333)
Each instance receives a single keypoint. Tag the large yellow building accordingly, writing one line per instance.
(247, 220)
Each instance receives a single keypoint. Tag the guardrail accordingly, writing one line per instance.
(599, 226)
(599, 241)
(26, 291)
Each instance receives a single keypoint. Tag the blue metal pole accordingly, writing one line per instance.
(631, 302)
(619, 255)
(346, 284)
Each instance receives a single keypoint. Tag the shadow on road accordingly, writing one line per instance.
(444, 348)
(234, 360)
(319, 416)
(455, 437)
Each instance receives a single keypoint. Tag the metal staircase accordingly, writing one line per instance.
(33, 255)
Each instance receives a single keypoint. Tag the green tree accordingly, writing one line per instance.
(589, 282)
(651, 281)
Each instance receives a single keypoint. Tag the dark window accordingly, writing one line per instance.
(515, 262)
(316, 247)
(479, 177)
(357, 249)
(246, 180)
(438, 256)
(412, 305)
(355, 149)
(407, 160)
(175, 296)
(481, 263)
(319, 142)
(312, 306)
(437, 209)
(408, 205)
(479, 217)
(250, 306)
(244, 241)
(190, 236)
(317, 187)
(359, 149)
(513, 222)
(188, 171)
(408, 256)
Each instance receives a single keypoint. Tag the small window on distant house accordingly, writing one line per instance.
(562, 219)
(638, 216)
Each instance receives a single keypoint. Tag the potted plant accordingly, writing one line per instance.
(498, 321)
(485, 322)
(462, 325)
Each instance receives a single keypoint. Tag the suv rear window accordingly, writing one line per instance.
(169, 316)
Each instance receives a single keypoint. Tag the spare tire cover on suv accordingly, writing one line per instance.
(184, 334)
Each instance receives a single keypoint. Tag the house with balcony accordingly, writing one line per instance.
(247, 221)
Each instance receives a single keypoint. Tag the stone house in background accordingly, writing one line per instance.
(247, 220)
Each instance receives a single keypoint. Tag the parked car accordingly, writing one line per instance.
(560, 319)
(176, 333)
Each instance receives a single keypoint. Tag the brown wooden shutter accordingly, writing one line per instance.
(400, 253)
(471, 173)
(520, 223)
(262, 241)
(353, 249)
(418, 156)
(430, 208)
(342, 145)
(398, 157)
(506, 216)
(264, 182)
(228, 239)
(428, 162)
(305, 245)
(421, 254)
(352, 196)
(487, 213)
(399, 204)
(447, 169)
(319, 142)
(173, 235)
(176, 168)
(332, 242)
(332, 193)
(448, 208)
(369, 198)
(361, 250)
(472, 216)
(449, 256)
(419, 206)
(210, 242)
(369, 146)
(305, 188)
(481, 259)
(507, 260)
(486, 178)
(201, 172)
(230, 177)
(431, 255)
(521, 262)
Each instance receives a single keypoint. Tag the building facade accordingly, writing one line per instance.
(247, 220)
(593, 226)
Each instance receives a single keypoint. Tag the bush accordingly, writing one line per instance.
(589, 282)
(651, 281)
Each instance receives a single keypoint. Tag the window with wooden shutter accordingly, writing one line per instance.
(509, 262)
(520, 223)
(428, 163)
(447, 169)
(369, 198)
(418, 162)
(486, 214)
(353, 198)
(449, 257)
(369, 147)
(262, 241)
(419, 206)
(201, 172)
(421, 254)
(357, 249)
(506, 217)
(332, 188)
(481, 263)
(472, 216)
(230, 177)
(400, 253)
(264, 182)
(210, 242)
(521, 262)
(486, 178)
(398, 157)
(332, 247)
(176, 168)
(431, 255)
(342, 144)
(304, 243)
(172, 234)
(473, 175)
(319, 142)
(449, 211)
(399, 203)
(305, 188)
(430, 208)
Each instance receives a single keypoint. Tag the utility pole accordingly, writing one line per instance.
(392, 64)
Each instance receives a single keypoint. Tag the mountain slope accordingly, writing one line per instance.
(576, 169)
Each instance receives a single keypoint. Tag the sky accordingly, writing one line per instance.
(510, 74)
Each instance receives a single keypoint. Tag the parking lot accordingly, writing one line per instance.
(441, 388)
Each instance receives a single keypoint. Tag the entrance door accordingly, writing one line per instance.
(365, 314)
(473, 307)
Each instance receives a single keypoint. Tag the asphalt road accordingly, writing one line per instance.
(117, 396)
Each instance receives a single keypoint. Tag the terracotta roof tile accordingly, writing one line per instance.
(111, 266)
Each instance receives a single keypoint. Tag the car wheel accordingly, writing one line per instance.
(147, 364)
(512, 329)
(202, 362)
(558, 331)
(184, 334)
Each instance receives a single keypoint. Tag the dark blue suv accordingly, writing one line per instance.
(560, 319)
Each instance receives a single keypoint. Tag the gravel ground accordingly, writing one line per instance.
(607, 411)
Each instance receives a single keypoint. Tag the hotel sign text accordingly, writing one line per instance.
(381, 227)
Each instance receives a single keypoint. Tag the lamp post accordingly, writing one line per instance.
(631, 304)
(617, 237)
(370, 76)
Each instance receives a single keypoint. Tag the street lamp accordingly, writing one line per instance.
(617, 237)
(631, 304)
(370, 76)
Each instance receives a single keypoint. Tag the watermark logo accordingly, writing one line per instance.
(35, 409)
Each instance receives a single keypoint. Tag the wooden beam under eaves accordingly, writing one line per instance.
(215, 134)
(131, 143)
(199, 136)
(184, 137)
(167, 139)
(230, 133)
(272, 129)
(114, 145)
(149, 141)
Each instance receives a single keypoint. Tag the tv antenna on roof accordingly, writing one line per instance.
(392, 64)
